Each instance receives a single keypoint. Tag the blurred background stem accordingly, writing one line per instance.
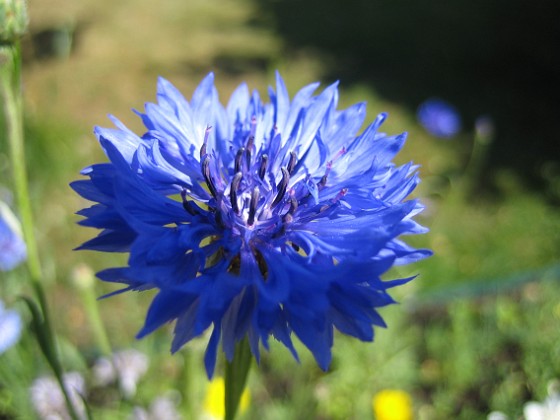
(84, 281)
(10, 93)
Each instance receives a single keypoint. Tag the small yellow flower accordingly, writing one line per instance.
(392, 404)
(214, 402)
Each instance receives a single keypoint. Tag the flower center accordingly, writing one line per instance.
(253, 198)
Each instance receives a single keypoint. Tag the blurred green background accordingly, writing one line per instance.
(477, 331)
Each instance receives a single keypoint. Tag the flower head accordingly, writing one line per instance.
(12, 247)
(439, 118)
(256, 219)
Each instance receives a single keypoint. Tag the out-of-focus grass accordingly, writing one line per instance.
(439, 351)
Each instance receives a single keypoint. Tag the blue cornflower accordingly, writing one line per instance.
(10, 328)
(256, 219)
(439, 118)
(12, 247)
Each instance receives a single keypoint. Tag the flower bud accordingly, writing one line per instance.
(13, 19)
(83, 277)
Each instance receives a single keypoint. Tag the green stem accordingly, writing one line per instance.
(185, 384)
(96, 323)
(479, 153)
(84, 281)
(10, 93)
(236, 374)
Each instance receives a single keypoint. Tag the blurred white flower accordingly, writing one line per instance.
(549, 409)
(125, 367)
(48, 400)
(10, 328)
(497, 415)
(161, 408)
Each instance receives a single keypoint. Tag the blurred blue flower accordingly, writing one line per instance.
(12, 247)
(10, 328)
(258, 219)
(439, 118)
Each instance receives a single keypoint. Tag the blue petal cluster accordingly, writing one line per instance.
(256, 219)
(12, 247)
(10, 327)
(439, 118)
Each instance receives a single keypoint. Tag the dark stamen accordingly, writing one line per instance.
(264, 164)
(238, 158)
(248, 150)
(261, 262)
(186, 205)
(253, 206)
(233, 191)
(321, 184)
(287, 219)
(292, 162)
(282, 185)
(208, 176)
(220, 219)
(205, 142)
(293, 205)
(235, 265)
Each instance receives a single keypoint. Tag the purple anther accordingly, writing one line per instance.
(208, 176)
(205, 142)
(186, 205)
(340, 194)
(323, 181)
(262, 168)
(282, 185)
(248, 150)
(292, 162)
(233, 191)
(293, 205)
(253, 206)
(339, 154)
(238, 162)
